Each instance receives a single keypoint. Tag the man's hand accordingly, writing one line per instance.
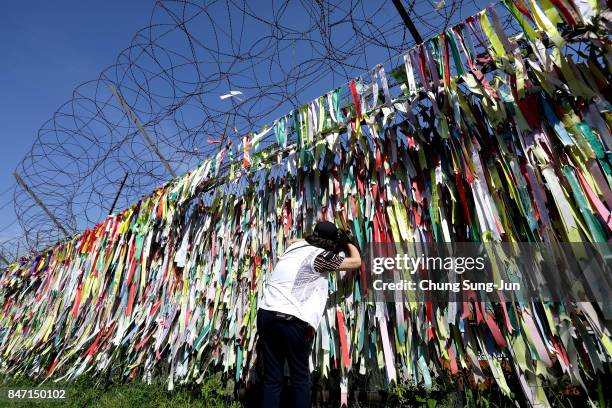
(343, 238)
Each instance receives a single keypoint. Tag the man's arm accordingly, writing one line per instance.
(353, 260)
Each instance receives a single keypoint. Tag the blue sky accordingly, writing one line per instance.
(48, 48)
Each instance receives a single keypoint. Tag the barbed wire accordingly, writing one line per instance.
(278, 54)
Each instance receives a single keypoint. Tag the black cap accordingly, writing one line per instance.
(326, 230)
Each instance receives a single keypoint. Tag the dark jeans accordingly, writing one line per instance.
(281, 340)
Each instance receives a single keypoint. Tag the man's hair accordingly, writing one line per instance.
(326, 244)
(324, 235)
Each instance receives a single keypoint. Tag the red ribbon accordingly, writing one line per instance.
(77, 302)
(567, 15)
(343, 342)
(355, 98)
(462, 198)
(446, 60)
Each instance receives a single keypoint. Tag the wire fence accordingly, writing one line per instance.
(277, 55)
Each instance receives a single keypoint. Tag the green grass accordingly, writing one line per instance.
(87, 393)
(216, 392)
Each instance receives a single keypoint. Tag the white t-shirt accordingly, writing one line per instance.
(298, 284)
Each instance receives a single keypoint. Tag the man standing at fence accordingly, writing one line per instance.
(293, 304)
